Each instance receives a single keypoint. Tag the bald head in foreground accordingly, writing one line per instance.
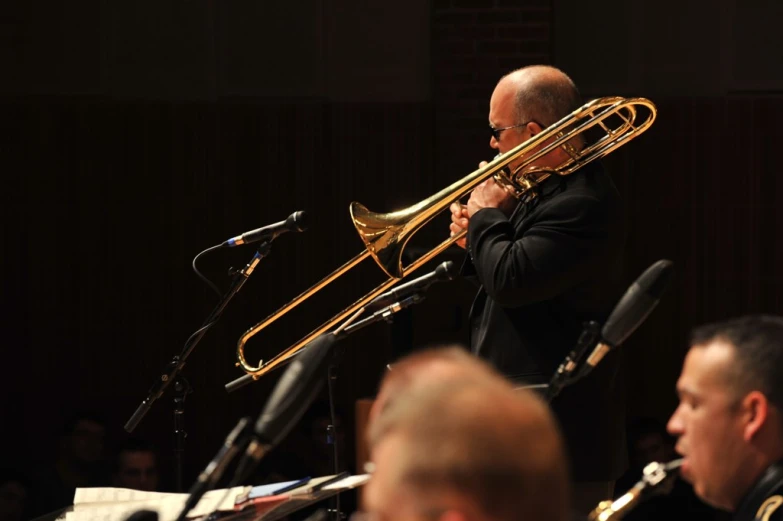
(425, 368)
(464, 445)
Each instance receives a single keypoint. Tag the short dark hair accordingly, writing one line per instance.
(758, 348)
(133, 444)
(74, 418)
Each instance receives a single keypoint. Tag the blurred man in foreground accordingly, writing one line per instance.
(461, 444)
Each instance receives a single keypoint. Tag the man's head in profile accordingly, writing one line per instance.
(465, 446)
(729, 422)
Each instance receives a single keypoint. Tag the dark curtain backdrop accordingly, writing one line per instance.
(111, 201)
(107, 198)
(107, 203)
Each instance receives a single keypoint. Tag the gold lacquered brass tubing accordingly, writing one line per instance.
(292, 304)
(271, 364)
(605, 108)
(437, 250)
(291, 351)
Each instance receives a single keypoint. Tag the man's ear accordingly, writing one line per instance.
(755, 410)
(534, 128)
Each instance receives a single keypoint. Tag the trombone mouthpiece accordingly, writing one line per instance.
(673, 465)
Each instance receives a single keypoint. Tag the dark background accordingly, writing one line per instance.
(135, 135)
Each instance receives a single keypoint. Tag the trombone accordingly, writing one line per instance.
(386, 234)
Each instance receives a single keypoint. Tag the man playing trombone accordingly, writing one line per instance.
(545, 264)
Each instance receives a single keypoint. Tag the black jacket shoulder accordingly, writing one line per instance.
(764, 502)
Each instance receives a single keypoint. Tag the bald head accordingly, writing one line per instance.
(477, 446)
(541, 93)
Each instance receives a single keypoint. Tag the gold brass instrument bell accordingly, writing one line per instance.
(386, 234)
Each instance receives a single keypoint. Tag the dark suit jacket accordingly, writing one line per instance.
(764, 502)
(555, 264)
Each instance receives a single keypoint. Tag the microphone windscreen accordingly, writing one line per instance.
(298, 221)
(446, 271)
(638, 302)
(295, 391)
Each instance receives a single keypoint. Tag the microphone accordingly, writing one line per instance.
(637, 303)
(293, 394)
(444, 271)
(296, 222)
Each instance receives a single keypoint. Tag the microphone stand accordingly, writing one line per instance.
(181, 390)
(331, 430)
(172, 371)
(348, 328)
(225, 456)
(235, 441)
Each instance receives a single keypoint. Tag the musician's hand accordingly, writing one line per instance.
(489, 194)
(459, 222)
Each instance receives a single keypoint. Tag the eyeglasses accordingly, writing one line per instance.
(496, 131)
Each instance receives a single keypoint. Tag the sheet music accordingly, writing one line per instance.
(117, 504)
(269, 490)
(106, 504)
(113, 495)
(349, 482)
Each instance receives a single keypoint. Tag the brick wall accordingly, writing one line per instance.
(474, 42)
